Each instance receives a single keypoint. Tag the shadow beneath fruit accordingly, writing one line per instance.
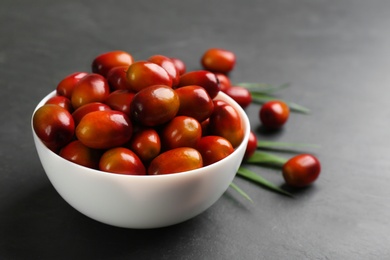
(40, 224)
(298, 191)
(269, 132)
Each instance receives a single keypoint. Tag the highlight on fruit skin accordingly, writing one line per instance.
(104, 62)
(301, 170)
(218, 60)
(124, 113)
(274, 114)
(126, 89)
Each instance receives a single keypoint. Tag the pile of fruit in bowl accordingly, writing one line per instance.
(139, 117)
(146, 143)
(140, 144)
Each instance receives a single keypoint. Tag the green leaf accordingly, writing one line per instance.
(291, 147)
(260, 98)
(262, 87)
(252, 176)
(266, 159)
(240, 191)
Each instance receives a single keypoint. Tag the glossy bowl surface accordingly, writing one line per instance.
(141, 201)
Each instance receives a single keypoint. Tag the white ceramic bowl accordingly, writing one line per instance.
(141, 201)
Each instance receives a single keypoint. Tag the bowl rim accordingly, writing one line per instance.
(242, 145)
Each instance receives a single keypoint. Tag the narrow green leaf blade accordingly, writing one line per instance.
(260, 98)
(252, 176)
(265, 158)
(283, 146)
(240, 191)
(297, 108)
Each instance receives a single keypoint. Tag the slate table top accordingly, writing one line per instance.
(334, 54)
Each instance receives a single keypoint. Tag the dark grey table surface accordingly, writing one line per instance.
(335, 54)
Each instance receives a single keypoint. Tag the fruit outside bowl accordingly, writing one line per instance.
(133, 201)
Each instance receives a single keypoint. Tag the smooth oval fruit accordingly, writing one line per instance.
(61, 101)
(176, 160)
(103, 63)
(274, 114)
(240, 94)
(155, 105)
(104, 129)
(223, 81)
(203, 78)
(181, 131)
(53, 125)
(121, 160)
(195, 102)
(180, 65)
(120, 100)
(146, 143)
(251, 146)
(117, 78)
(301, 170)
(226, 122)
(205, 127)
(167, 64)
(143, 74)
(214, 148)
(218, 60)
(79, 113)
(80, 154)
(66, 86)
(91, 88)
